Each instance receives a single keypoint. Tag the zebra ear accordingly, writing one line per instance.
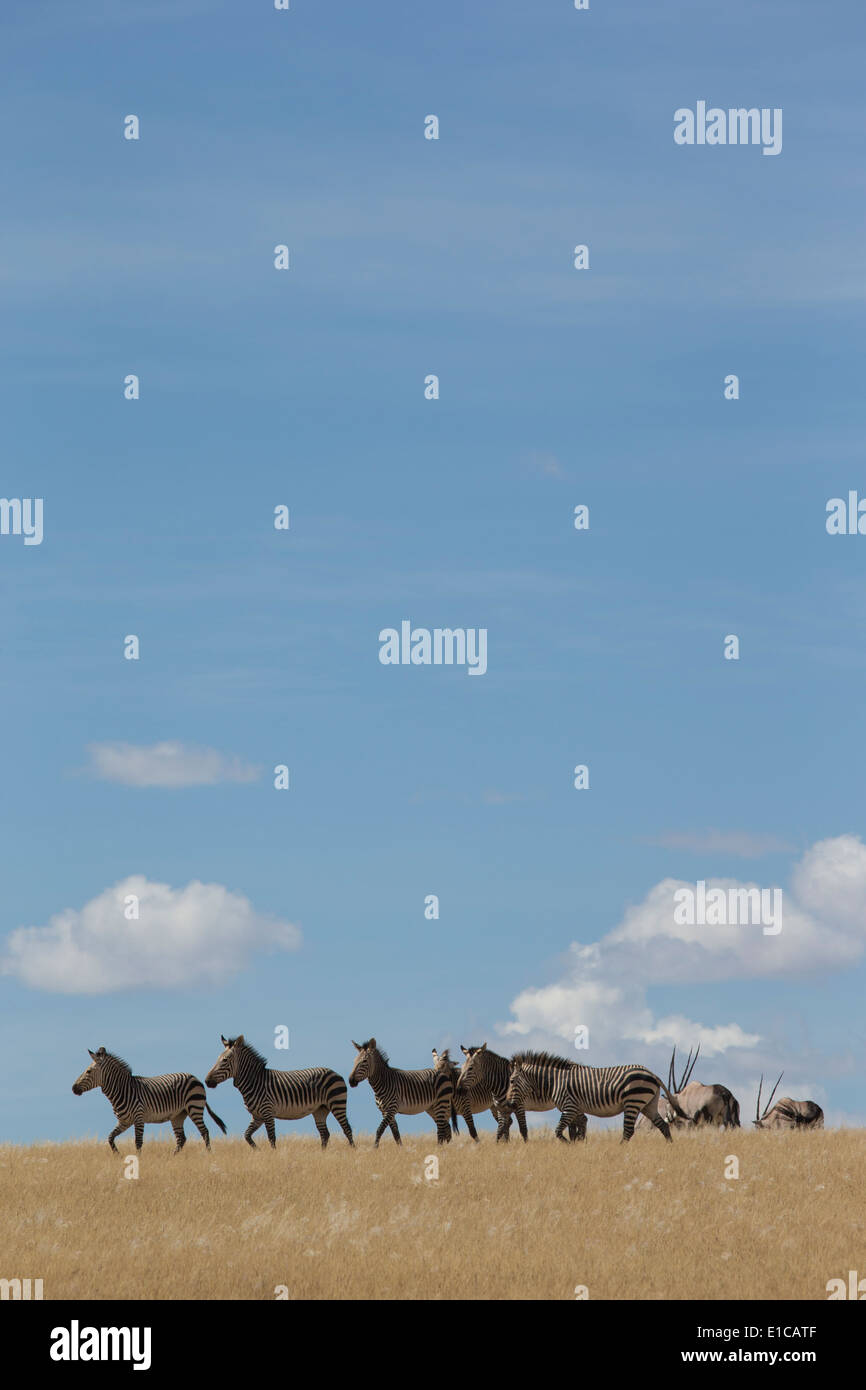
(357, 1046)
(239, 1040)
(224, 1041)
(91, 1054)
(463, 1050)
(483, 1047)
(372, 1042)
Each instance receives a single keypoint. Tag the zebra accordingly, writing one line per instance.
(482, 1084)
(146, 1100)
(787, 1113)
(280, 1095)
(542, 1081)
(404, 1092)
(442, 1062)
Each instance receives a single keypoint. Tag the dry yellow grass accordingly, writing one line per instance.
(645, 1220)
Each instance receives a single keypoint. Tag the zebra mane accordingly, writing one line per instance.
(546, 1059)
(113, 1057)
(250, 1051)
(380, 1050)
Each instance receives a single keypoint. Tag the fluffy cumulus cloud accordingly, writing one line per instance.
(169, 764)
(187, 937)
(604, 984)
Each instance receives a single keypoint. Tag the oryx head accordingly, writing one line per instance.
(680, 1117)
(760, 1116)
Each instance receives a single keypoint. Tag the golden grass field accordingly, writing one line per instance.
(646, 1220)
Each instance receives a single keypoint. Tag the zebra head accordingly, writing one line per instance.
(442, 1062)
(91, 1077)
(226, 1064)
(519, 1087)
(474, 1064)
(364, 1062)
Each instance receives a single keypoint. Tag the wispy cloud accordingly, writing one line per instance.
(168, 764)
(143, 935)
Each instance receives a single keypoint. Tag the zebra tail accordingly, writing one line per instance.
(215, 1117)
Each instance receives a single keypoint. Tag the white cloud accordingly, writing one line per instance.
(169, 764)
(604, 985)
(198, 935)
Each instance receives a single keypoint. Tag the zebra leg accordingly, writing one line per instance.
(576, 1121)
(197, 1118)
(253, 1125)
(121, 1129)
(630, 1114)
(270, 1128)
(443, 1128)
(381, 1130)
(321, 1118)
(139, 1134)
(177, 1126)
(470, 1123)
(339, 1114)
(521, 1125)
(503, 1122)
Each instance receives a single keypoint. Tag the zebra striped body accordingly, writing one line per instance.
(404, 1092)
(442, 1062)
(146, 1100)
(280, 1095)
(483, 1085)
(544, 1082)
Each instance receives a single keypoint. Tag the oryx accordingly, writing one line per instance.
(787, 1113)
(697, 1104)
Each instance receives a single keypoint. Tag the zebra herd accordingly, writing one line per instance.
(506, 1087)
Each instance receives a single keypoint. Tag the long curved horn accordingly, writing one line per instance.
(671, 1085)
(677, 1109)
(682, 1083)
(772, 1093)
(758, 1106)
(688, 1076)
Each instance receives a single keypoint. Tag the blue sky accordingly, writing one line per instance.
(557, 387)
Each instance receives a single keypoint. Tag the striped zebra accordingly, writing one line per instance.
(404, 1092)
(146, 1100)
(482, 1085)
(442, 1061)
(576, 1091)
(280, 1095)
